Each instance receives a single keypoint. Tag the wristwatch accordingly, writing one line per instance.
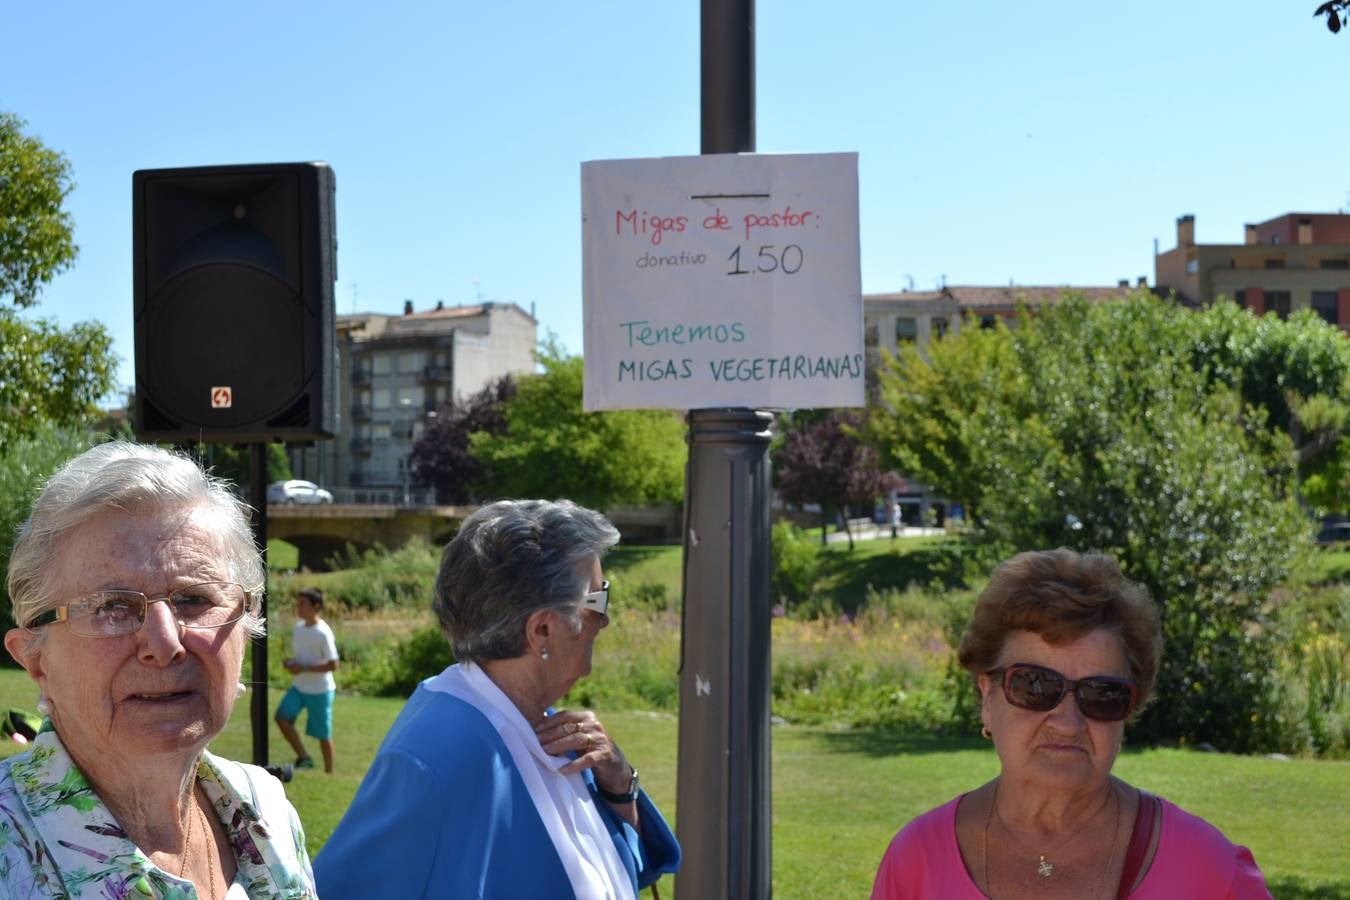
(629, 797)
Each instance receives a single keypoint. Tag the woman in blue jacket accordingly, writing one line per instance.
(481, 789)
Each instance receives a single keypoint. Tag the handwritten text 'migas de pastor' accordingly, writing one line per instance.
(653, 226)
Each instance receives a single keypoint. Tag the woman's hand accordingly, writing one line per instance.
(581, 731)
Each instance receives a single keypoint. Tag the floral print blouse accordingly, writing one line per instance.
(57, 839)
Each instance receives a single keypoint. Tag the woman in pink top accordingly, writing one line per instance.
(1055, 823)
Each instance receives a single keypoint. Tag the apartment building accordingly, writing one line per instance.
(1295, 261)
(394, 371)
(892, 320)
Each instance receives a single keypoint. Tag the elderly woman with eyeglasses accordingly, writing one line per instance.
(1063, 650)
(134, 582)
(481, 789)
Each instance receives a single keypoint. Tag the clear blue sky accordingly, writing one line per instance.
(1037, 142)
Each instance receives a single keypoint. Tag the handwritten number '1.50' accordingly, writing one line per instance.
(789, 262)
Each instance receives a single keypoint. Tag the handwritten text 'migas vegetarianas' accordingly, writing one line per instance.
(761, 368)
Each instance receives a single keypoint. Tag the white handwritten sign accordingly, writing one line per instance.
(722, 281)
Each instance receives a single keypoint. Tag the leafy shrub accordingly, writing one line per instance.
(378, 578)
(648, 595)
(798, 565)
(394, 667)
(1312, 639)
(23, 467)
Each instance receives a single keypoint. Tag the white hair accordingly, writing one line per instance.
(124, 476)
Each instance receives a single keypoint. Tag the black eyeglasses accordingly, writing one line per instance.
(213, 604)
(1101, 697)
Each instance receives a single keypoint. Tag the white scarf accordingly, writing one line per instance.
(564, 803)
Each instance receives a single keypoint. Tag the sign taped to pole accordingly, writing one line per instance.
(722, 281)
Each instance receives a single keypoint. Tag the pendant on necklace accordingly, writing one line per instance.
(1044, 868)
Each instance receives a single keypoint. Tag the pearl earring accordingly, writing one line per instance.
(44, 708)
(240, 690)
(543, 653)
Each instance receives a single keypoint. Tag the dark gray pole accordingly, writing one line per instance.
(257, 497)
(723, 792)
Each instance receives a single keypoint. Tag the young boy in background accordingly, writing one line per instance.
(313, 686)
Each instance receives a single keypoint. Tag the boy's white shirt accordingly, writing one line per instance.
(312, 645)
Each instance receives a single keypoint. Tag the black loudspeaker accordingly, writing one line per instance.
(234, 272)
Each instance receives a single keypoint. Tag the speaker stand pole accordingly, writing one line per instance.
(257, 490)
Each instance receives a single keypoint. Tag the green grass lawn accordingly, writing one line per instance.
(840, 796)
(1328, 565)
(282, 556)
(847, 574)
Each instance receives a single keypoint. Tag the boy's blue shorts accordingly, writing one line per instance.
(320, 723)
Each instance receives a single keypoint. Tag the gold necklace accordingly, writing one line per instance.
(1044, 867)
(212, 852)
(187, 842)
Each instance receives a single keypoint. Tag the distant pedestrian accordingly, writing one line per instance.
(895, 519)
(313, 688)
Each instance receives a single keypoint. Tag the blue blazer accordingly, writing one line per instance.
(443, 812)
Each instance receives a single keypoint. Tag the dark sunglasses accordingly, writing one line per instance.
(1039, 689)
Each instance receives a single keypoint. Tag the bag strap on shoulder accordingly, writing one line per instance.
(1139, 841)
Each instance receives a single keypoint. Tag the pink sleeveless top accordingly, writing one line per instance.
(1194, 859)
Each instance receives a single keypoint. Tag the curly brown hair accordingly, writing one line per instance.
(1062, 595)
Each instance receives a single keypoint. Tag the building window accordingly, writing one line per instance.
(1335, 264)
(906, 330)
(870, 335)
(411, 397)
(380, 364)
(1240, 298)
(380, 432)
(939, 326)
(1277, 302)
(1192, 266)
(1324, 304)
(988, 321)
(380, 398)
(412, 361)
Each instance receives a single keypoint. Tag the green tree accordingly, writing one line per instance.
(551, 447)
(442, 458)
(1092, 427)
(36, 232)
(50, 375)
(23, 467)
(235, 462)
(822, 460)
(47, 374)
(1298, 371)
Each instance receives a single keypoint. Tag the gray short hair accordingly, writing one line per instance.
(511, 559)
(123, 476)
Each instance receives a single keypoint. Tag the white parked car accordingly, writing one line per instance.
(297, 491)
